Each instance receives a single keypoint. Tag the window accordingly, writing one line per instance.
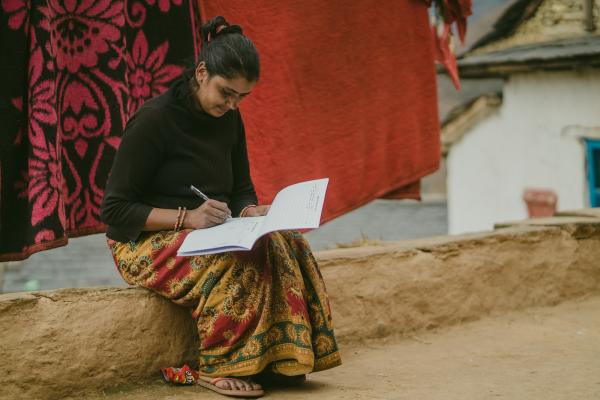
(593, 162)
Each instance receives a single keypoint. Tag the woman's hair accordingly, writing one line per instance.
(227, 52)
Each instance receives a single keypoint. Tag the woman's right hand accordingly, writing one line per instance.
(210, 213)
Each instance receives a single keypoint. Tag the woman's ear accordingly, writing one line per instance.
(201, 72)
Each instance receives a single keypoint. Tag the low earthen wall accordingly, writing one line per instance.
(65, 342)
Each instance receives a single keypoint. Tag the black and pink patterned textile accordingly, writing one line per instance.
(71, 73)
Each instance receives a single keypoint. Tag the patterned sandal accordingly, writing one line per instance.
(211, 383)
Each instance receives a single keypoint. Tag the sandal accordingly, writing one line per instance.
(211, 383)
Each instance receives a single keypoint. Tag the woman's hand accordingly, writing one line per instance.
(257, 211)
(210, 213)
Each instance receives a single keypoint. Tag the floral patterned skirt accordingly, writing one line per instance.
(257, 309)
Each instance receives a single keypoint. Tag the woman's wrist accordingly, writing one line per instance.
(162, 219)
(179, 221)
(244, 211)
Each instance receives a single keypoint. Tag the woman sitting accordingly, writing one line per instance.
(263, 312)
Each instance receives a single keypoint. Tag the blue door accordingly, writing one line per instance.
(593, 163)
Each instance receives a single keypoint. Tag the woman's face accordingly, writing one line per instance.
(217, 95)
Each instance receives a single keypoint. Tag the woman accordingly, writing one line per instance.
(259, 313)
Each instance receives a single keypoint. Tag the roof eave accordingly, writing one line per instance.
(466, 117)
(503, 69)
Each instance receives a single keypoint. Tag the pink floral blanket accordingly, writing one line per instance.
(71, 73)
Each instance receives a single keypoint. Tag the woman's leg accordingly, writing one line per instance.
(323, 342)
(151, 262)
(262, 307)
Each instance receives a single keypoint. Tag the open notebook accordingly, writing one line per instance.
(297, 206)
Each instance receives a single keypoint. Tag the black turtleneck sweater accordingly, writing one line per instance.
(168, 145)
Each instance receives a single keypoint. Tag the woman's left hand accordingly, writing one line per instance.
(257, 211)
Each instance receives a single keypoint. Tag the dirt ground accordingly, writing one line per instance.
(539, 353)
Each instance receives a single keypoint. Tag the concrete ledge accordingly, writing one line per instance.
(567, 220)
(586, 212)
(63, 343)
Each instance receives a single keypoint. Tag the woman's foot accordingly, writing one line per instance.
(230, 386)
(270, 378)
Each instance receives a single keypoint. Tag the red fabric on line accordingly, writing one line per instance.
(347, 91)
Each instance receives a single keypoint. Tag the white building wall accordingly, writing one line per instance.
(523, 145)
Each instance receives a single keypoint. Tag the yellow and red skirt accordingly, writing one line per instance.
(257, 309)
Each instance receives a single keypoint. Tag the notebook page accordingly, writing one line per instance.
(237, 232)
(297, 206)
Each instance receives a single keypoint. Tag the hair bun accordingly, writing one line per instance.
(227, 52)
(218, 26)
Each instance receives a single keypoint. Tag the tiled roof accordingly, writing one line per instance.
(560, 54)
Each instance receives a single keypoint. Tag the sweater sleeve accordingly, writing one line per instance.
(138, 157)
(243, 192)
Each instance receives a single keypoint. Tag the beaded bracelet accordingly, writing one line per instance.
(245, 210)
(177, 220)
(180, 225)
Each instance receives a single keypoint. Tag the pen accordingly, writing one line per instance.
(199, 193)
